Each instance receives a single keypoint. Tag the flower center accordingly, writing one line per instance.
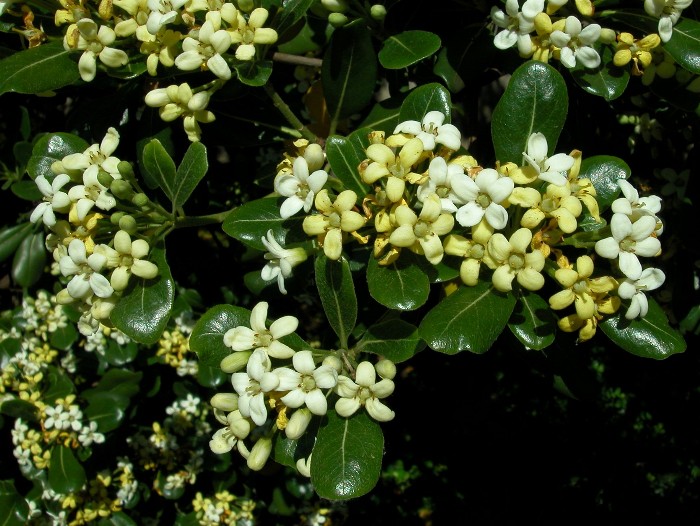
(628, 245)
(421, 229)
(334, 220)
(483, 200)
(308, 383)
(580, 287)
(363, 394)
(516, 261)
(477, 251)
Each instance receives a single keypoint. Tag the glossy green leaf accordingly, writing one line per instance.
(684, 45)
(11, 237)
(421, 100)
(66, 474)
(209, 376)
(650, 337)
(30, 260)
(38, 69)
(400, 286)
(291, 12)
(192, 169)
(345, 155)
(27, 190)
(337, 293)
(469, 319)
(164, 136)
(250, 222)
(347, 458)
(393, 339)
(106, 409)
(533, 322)
(143, 311)
(384, 116)
(407, 48)
(445, 70)
(13, 507)
(287, 452)
(119, 355)
(207, 338)
(16, 408)
(59, 385)
(349, 70)
(607, 80)
(63, 337)
(118, 518)
(160, 167)
(50, 148)
(116, 381)
(535, 100)
(675, 92)
(604, 172)
(254, 73)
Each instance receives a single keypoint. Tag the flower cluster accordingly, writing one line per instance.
(96, 245)
(507, 223)
(297, 387)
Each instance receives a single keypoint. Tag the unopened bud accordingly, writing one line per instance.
(334, 362)
(335, 6)
(126, 170)
(139, 200)
(694, 86)
(298, 423)
(115, 217)
(337, 19)
(225, 401)
(239, 425)
(235, 361)
(378, 12)
(259, 454)
(304, 466)
(128, 224)
(246, 5)
(386, 369)
(607, 35)
(104, 178)
(121, 189)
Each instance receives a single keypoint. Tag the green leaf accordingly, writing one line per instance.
(117, 381)
(534, 101)
(650, 337)
(347, 458)
(66, 474)
(393, 339)
(291, 12)
(384, 116)
(27, 190)
(254, 73)
(207, 338)
(164, 136)
(143, 311)
(106, 409)
(17, 408)
(50, 148)
(160, 167)
(192, 169)
(13, 506)
(63, 337)
(469, 319)
(345, 155)
(399, 286)
(533, 322)
(607, 80)
(337, 293)
(59, 385)
(11, 237)
(604, 172)
(209, 376)
(38, 69)
(684, 45)
(407, 48)
(119, 355)
(349, 70)
(118, 519)
(250, 222)
(29, 261)
(444, 69)
(421, 100)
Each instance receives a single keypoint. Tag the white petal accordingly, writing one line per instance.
(258, 317)
(316, 402)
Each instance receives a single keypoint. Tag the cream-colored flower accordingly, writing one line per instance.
(628, 241)
(509, 258)
(668, 12)
(364, 391)
(95, 43)
(579, 288)
(179, 101)
(248, 33)
(335, 218)
(305, 382)
(431, 131)
(633, 290)
(575, 43)
(127, 258)
(558, 203)
(471, 250)
(203, 48)
(396, 168)
(258, 336)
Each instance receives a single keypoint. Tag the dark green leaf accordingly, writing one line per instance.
(394, 339)
(51, 148)
(444, 69)
(290, 13)
(534, 101)
(347, 458)
(210, 376)
(17, 408)
(399, 286)
(254, 73)
(27, 190)
(604, 172)
(13, 507)
(160, 167)
(421, 100)
(164, 136)
(59, 385)
(533, 322)
(38, 69)
(29, 261)
(106, 409)
(66, 474)
(250, 222)
(118, 518)
(193, 167)
(650, 337)
(11, 237)
(117, 381)
(63, 337)
(469, 319)
(349, 70)
(337, 293)
(607, 80)
(407, 48)
(384, 116)
(684, 45)
(287, 452)
(119, 355)
(207, 338)
(143, 311)
(345, 155)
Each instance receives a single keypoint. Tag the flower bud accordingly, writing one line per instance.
(246, 5)
(104, 178)
(386, 369)
(334, 362)
(63, 298)
(235, 361)
(607, 35)
(128, 224)
(225, 401)
(335, 6)
(259, 454)
(121, 189)
(115, 217)
(298, 423)
(378, 12)
(139, 200)
(304, 466)
(126, 170)
(337, 19)
(239, 425)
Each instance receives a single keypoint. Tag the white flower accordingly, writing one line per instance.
(128, 258)
(509, 258)
(258, 337)
(483, 197)
(95, 44)
(205, 46)
(54, 199)
(364, 391)
(305, 382)
(633, 290)
(95, 157)
(252, 385)
(280, 261)
(628, 241)
(163, 12)
(550, 169)
(85, 270)
(517, 25)
(249, 33)
(448, 181)
(91, 193)
(179, 101)
(575, 43)
(432, 130)
(299, 187)
(88, 435)
(634, 206)
(668, 12)
(223, 441)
